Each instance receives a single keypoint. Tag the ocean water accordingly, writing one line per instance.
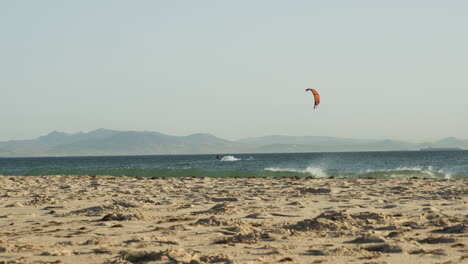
(422, 164)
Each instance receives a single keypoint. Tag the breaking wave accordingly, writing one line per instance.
(309, 171)
(404, 172)
(229, 158)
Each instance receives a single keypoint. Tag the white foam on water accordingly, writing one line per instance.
(447, 175)
(316, 172)
(230, 158)
(428, 172)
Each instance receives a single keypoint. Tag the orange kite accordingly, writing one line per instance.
(316, 96)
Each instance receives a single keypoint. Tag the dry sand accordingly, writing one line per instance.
(104, 219)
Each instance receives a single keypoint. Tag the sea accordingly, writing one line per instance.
(391, 164)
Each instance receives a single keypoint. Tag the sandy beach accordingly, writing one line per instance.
(106, 219)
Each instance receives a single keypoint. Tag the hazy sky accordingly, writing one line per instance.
(385, 69)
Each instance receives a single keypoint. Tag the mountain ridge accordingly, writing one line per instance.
(103, 141)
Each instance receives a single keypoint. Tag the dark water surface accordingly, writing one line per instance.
(427, 164)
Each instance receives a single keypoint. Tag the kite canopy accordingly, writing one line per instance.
(316, 96)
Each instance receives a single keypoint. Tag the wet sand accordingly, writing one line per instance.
(105, 219)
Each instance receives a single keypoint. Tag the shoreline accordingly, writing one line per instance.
(295, 177)
(119, 219)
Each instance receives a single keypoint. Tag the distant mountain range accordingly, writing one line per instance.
(102, 142)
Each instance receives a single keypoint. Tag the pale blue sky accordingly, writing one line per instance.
(385, 69)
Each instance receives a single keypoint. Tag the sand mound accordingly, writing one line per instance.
(250, 238)
(125, 217)
(93, 210)
(385, 248)
(143, 256)
(215, 221)
(113, 211)
(124, 204)
(211, 221)
(173, 256)
(368, 238)
(214, 258)
(15, 204)
(221, 208)
(257, 216)
(315, 190)
(224, 199)
(334, 220)
(168, 256)
(437, 240)
(41, 200)
(461, 229)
